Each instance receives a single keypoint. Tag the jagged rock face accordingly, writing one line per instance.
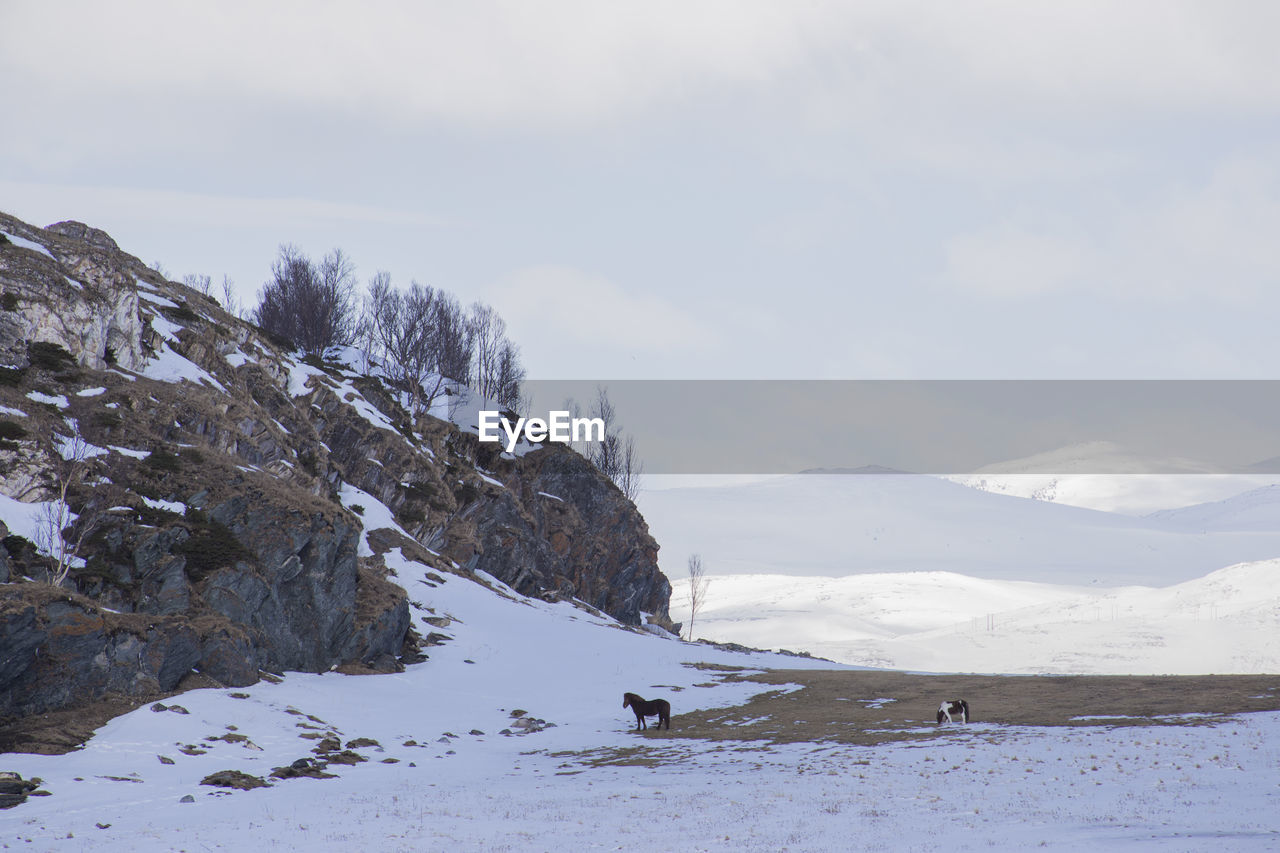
(58, 652)
(555, 527)
(561, 526)
(301, 596)
(220, 540)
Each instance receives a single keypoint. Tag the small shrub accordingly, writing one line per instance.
(280, 341)
(357, 509)
(153, 516)
(9, 301)
(465, 493)
(95, 567)
(17, 545)
(162, 460)
(211, 545)
(422, 491)
(11, 376)
(10, 434)
(409, 520)
(12, 431)
(46, 355)
(180, 314)
(107, 420)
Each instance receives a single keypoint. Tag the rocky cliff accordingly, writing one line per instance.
(231, 499)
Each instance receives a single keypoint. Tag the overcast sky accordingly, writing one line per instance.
(706, 190)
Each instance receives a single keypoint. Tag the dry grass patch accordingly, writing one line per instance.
(872, 707)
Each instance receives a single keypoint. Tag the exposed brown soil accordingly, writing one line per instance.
(847, 706)
(59, 732)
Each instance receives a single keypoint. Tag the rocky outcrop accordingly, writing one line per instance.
(14, 790)
(61, 652)
(561, 527)
(217, 541)
(551, 525)
(71, 287)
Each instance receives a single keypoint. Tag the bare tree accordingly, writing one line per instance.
(630, 469)
(455, 335)
(697, 588)
(401, 327)
(422, 345)
(606, 454)
(202, 284)
(574, 408)
(511, 375)
(488, 331)
(615, 455)
(496, 370)
(313, 306)
(58, 531)
(230, 303)
(366, 337)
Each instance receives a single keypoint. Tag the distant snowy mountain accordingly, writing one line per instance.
(1098, 457)
(1257, 510)
(1105, 476)
(813, 525)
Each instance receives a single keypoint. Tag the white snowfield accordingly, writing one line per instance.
(1225, 622)
(460, 785)
(916, 572)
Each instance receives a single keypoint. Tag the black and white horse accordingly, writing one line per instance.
(953, 710)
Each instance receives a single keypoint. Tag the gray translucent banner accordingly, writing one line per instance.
(938, 427)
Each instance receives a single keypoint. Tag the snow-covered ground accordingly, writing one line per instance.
(908, 571)
(458, 784)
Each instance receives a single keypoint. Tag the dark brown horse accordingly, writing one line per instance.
(659, 708)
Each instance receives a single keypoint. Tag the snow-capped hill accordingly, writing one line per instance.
(1256, 510)
(813, 525)
(1221, 623)
(943, 622)
(861, 470)
(1271, 465)
(1105, 476)
(1097, 457)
